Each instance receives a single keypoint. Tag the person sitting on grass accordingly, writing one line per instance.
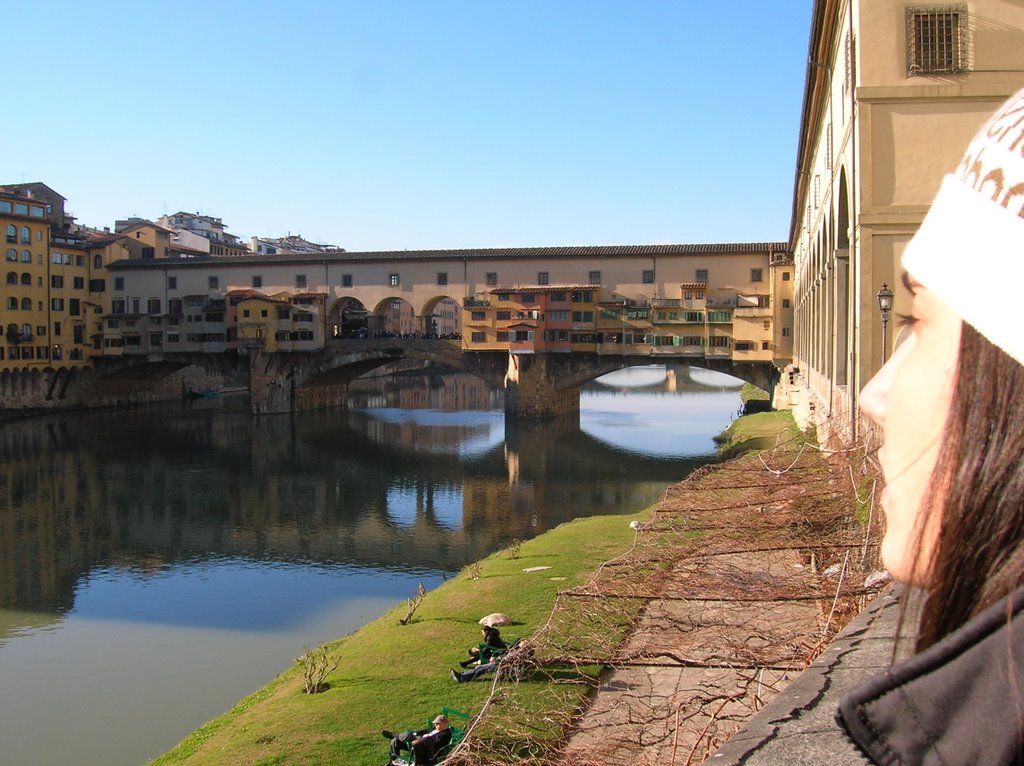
(491, 647)
(426, 744)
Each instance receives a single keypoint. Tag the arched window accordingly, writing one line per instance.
(12, 304)
(12, 254)
(12, 277)
(26, 331)
(26, 278)
(12, 233)
(97, 261)
(26, 256)
(26, 304)
(26, 235)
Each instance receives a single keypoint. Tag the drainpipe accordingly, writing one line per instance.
(854, 327)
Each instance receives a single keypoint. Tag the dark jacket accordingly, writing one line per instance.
(492, 647)
(429, 748)
(960, 701)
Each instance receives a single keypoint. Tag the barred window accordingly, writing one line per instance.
(936, 40)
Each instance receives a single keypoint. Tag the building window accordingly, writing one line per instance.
(442, 278)
(57, 304)
(26, 235)
(12, 254)
(785, 303)
(300, 281)
(756, 275)
(147, 252)
(346, 280)
(785, 276)
(257, 281)
(153, 306)
(213, 282)
(542, 278)
(12, 233)
(97, 261)
(765, 345)
(648, 276)
(119, 283)
(936, 40)
(701, 275)
(56, 281)
(492, 278)
(785, 332)
(79, 283)
(26, 257)
(594, 278)
(394, 280)
(478, 316)
(479, 337)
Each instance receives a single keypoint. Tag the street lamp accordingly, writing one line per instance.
(884, 297)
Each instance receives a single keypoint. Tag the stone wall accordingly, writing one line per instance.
(85, 387)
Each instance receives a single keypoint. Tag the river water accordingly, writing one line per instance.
(159, 564)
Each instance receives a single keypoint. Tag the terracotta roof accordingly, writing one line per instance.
(570, 251)
(694, 285)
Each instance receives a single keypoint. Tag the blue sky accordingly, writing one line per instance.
(387, 124)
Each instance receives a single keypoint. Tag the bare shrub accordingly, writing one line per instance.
(316, 666)
(414, 604)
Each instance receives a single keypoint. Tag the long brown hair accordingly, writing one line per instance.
(978, 487)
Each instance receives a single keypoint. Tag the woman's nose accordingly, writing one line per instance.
(874, 396)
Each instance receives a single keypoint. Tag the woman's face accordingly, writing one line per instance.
(909, 398)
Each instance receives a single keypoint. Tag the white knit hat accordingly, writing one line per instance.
(969, 250)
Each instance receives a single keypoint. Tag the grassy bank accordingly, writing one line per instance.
(396, 676)
(391, 675)
(760, 431)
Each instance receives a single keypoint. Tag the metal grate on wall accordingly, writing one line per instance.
(936, 40)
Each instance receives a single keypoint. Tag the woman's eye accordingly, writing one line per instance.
(905, 320)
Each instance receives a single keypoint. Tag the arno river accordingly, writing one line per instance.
(159, 564)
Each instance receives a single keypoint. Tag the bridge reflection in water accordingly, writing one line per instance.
(203, 518)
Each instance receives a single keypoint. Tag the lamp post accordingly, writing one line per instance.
(884, 297)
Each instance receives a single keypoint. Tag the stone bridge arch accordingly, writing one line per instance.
(393, 315)
(292, 382)
(441, 316)
(346, 318)
(548, 385)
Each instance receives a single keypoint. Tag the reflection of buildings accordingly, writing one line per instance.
(448, 392)
(146, 490)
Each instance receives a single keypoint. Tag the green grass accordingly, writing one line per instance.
(395, 676)
(751, 393)
(760, 431)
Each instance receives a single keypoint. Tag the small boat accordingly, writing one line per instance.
(207, 394)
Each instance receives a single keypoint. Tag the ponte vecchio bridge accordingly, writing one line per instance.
(538, 321)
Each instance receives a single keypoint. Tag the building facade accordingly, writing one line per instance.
(894, 92)
(47, 283)
(705, 301)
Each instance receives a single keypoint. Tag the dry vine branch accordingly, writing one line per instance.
(713, 587)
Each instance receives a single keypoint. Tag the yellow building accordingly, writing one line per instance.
(25, 311)
(894, 91)
(46, 282)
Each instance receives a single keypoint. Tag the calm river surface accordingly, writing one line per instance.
(159, 564)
